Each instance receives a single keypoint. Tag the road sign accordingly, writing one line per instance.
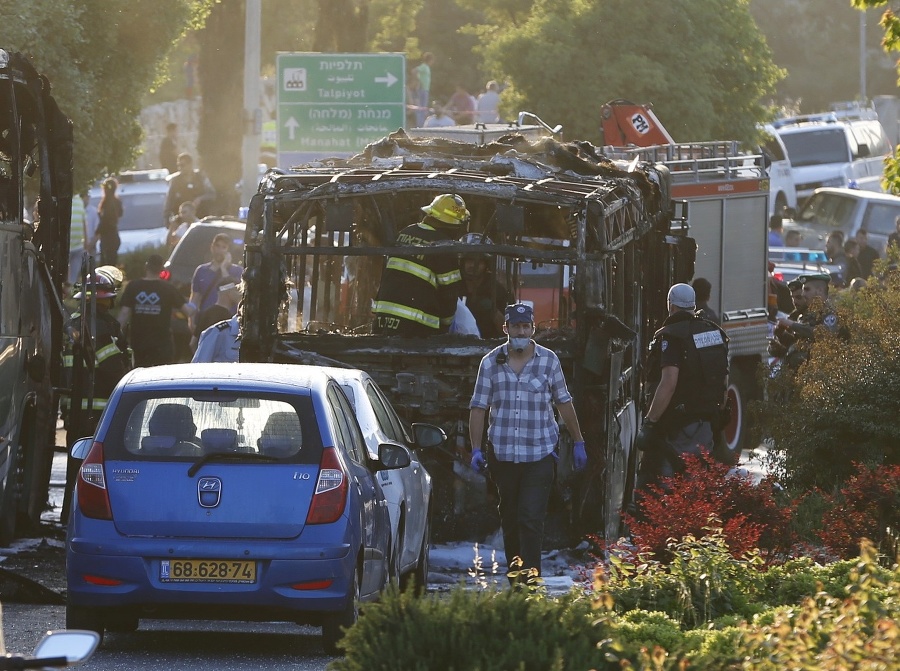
(336, 104)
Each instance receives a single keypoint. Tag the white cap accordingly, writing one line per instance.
(682, 296)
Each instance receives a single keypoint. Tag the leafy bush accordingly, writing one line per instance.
(840, 407)
(827, 633)
(867, 507)
(700, 582)
(682, 506)
(132, 263)
(512, 629)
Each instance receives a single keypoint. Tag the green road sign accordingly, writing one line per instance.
(331, 104)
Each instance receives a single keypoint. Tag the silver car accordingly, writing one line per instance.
(407, 491)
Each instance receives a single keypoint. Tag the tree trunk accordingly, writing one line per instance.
(220, 73)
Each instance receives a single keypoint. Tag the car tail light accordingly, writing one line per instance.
(331, 490)
(165, 274)
(93, 497)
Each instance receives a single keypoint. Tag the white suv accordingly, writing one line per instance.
(844, 148)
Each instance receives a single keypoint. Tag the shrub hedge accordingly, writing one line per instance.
(714, 611)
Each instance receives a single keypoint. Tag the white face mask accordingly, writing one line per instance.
(519, 344)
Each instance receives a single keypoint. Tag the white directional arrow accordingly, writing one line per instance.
(292, 125)
(390, 80)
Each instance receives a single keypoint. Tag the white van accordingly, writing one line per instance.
(842, 148)
(782, 191)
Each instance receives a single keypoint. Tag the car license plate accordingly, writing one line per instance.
(207, 570)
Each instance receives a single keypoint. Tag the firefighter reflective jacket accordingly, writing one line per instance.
(420, 289)
(111, 358)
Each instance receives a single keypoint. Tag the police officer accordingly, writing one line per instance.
(689, 365)
(817, 311)
(782, 337)
(220, 342)
(95, 341)
(418, 294)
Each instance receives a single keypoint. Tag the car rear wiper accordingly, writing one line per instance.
(228, 456)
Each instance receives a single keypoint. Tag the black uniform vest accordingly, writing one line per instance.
(703, 372)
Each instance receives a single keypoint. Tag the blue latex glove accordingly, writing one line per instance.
(478, 463)
(580, 456)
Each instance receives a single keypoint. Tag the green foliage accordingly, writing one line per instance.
(858, 630)
(101, 56)
(702, 63)
(132, 263)
(701, 582)
(512, 629)
(840, 407)
(800, 615)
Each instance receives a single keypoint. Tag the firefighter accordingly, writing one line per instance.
(689, 367)
(95, 343)
(418, 294)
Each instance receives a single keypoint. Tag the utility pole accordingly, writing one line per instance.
(252, 111)
(863, 94)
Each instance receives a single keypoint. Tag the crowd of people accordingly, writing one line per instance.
(459, 109)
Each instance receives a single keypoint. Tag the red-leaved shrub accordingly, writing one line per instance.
(684, 503)
(868, 506)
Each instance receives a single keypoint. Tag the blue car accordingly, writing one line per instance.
(239, 491)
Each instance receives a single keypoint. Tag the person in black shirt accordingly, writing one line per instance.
(168, 149)
(867, 255)
(147, 306)
(188, 185)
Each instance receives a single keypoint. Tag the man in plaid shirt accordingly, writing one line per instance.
(519, 382)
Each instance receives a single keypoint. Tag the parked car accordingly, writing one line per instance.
(143, 196)
(407, 490)
(228, 492)
(192, 249)
(847, 210)
(792, 262)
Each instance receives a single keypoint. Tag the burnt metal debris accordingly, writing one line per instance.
(594, 243)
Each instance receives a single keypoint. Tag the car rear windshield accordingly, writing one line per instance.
(186, 427)
(817, 147)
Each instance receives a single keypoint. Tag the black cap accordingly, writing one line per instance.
(824, 277)
(795, 283)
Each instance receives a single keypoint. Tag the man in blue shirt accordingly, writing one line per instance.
(520, 382)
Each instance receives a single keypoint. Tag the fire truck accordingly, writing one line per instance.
(727, 192)
(35, 159)
(327, 227)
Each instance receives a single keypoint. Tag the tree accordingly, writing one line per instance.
(101, 57)
(840, 406)
(220, 72)
(890, 22)
(817, 42)
(702, 63)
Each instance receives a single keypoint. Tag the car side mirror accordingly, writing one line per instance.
(81, 447)
(428, 435)
(392, 456)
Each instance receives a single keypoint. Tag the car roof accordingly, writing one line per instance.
(858, 194)
(256, 377)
